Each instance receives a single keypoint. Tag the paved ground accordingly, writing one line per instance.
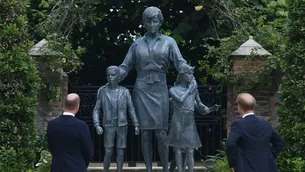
(140, 167)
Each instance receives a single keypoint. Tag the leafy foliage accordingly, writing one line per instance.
(9, 161)
(292, 92)
(45, 162)
(19, 83)
(260, 20)
(218, 162)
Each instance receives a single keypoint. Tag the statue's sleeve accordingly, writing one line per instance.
(131, 109)
(97, 109)
(128, 62)
(175, 54)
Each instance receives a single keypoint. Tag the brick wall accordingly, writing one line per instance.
(266, 97)
(46, 111)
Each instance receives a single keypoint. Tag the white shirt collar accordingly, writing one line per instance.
(247, 114)
(68, 113)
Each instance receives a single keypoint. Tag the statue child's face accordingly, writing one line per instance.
(188, 77)
(152, 25)
(113, 77)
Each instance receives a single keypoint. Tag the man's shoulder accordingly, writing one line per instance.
(53, 121)
(257, 121)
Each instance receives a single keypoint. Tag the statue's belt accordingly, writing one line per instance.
(151, 76)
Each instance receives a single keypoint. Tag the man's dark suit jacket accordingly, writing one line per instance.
(248, 146)
(70, 144)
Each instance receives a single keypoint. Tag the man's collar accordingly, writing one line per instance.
(68, 113)
(159, 35)
(247, 114)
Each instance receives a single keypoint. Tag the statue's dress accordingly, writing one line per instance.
(183, 132)
(150, 92)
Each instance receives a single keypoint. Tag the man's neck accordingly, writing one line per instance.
(247, 113)
(69, 113)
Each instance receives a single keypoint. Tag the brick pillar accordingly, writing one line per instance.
(45, 110)
(266, 97)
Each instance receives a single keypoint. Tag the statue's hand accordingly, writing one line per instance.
(137, 131)
(204, 107)
(193, 85)
(99, 130)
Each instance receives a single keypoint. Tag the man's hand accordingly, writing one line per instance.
(99, 130)
(234, 170)
(137, 131)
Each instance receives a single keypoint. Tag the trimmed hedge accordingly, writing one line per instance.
(19, 82)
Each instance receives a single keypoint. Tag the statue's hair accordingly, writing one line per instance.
(116, 68)
(151, 12)
(185, 68)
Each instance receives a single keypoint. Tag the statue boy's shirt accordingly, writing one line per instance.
(105, 106)
(115, 103)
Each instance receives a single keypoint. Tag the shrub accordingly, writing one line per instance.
(45, 162)
(218, 162)
(292, 92)
(10, 162)
(19, 82)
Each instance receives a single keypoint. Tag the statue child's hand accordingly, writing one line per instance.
(193, 85)
(137, 131)
(99, 130)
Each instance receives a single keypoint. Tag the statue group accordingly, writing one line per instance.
(150, 102)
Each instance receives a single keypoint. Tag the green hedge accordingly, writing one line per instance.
(19, 82)
(292, 92)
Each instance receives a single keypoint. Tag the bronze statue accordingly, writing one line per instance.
(183, 135)
(151, 55)
(114, 100)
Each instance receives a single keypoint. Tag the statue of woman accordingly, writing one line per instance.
(151, 56)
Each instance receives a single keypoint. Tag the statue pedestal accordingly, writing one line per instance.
(140, 167)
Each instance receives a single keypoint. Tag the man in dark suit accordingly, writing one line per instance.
(69, 139)
(248, 145)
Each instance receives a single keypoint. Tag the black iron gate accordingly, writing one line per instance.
(210, 127)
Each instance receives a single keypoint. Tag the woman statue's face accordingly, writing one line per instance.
(152, 25)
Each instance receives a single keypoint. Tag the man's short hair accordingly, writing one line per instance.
(71, 103)
(246, 101)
